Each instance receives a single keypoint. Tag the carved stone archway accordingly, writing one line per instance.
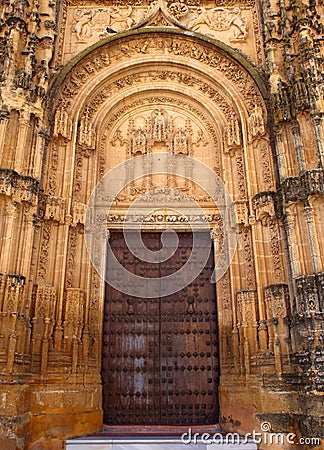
(212, 80)
(216, 100)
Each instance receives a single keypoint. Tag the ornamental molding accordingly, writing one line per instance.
(114, 53)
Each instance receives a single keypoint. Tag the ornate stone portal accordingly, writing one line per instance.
(123, 80)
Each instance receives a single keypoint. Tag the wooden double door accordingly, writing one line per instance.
(160, 361)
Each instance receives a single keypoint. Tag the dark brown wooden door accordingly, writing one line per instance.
(160, 355)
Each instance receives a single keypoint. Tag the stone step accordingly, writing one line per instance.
(104, 442)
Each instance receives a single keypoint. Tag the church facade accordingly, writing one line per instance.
(89, 85)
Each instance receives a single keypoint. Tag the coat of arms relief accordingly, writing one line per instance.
(88, 22)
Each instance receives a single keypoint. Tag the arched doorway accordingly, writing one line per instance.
(105, 104)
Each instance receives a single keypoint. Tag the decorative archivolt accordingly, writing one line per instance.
(163, 79)
(225, 87)
(173, 49)
(149, 71)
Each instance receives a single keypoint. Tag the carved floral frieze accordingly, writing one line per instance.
(159, 218)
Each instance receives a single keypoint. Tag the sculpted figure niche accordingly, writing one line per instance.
(159, 127)
(255, 123)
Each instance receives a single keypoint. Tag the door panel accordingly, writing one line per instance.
(160, 355)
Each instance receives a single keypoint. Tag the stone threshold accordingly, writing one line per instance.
(156, 430)
(158, 438)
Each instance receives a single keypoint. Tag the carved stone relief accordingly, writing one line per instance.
(170, 79)
(86, 23)
(55, 209)
(171, 129)
(256, 124)
(127, 48)
(133, 129)
(159, 124)
(245, 248)
(102, 59)
(158, 89)
(215, 20)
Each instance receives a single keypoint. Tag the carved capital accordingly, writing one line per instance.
(264, 205)
(310, 182)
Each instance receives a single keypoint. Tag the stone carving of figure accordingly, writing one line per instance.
(61, 123)
(255, 123)
(82, 26)
(139, 141)
(19, 8)
(42, 77)
(232, 134)
(159, 126)
(5, 59)
(120, 18)
(139, 137)
(86, 133)
(202, 18)
(237, 21)
(180, 141)
(34, 19)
